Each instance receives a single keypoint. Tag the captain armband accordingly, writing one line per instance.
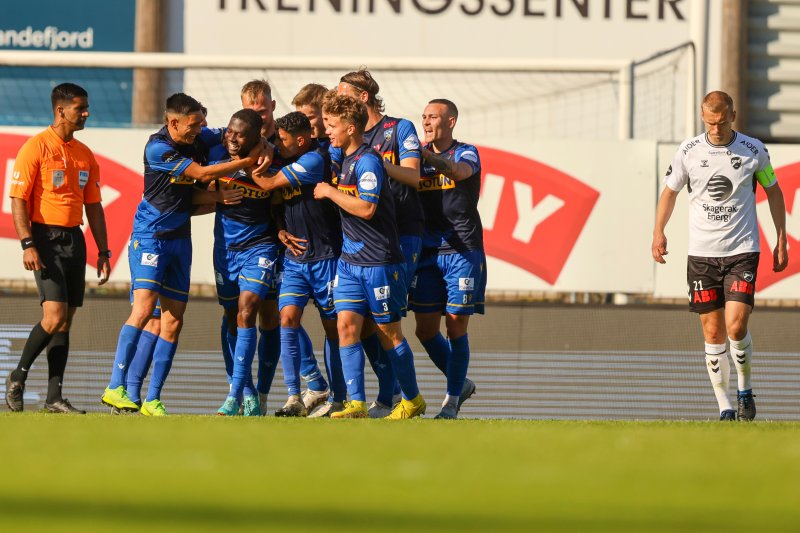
(766, 177)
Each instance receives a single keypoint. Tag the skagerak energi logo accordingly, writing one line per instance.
(535, 232)
(120, 187)
(720, 189)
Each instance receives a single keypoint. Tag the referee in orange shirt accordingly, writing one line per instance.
(55, 177)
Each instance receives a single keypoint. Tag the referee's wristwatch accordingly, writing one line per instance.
(104, 253)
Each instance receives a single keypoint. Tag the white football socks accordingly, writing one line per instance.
(719, 372)
(742, 354)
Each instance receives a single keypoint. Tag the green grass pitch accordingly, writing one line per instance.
(130, 473)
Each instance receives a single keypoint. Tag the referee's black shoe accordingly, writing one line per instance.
(63, 406)
(14, 392)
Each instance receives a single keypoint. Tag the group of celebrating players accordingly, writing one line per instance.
(334, 202)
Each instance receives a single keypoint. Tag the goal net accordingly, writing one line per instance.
(579, 99)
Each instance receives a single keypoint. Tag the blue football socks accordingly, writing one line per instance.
(126, 348)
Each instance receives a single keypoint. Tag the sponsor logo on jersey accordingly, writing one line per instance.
(669, 170)
(436, 183)
(469, 155)
(83, 178)
(743, 287)
(368, 181)
(721, 213)
(690, 145)
(181, 180)
(150, 260)
(291, 192)
(411, 143)
(350, 190)
(250, 191)
(720, 188)
(381, 293)
(750, 146)
(704, 296)
(265, 262)
(466, 284)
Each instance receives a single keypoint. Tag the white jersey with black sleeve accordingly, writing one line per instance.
(721, 181)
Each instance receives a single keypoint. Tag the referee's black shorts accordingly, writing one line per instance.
(63, 255)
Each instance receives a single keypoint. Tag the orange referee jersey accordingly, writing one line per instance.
(56, 178)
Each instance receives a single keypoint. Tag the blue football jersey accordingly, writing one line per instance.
(396, 139)
(452, 221)
(315, 220)
(166, 206)
(249, 223)
(375, 241)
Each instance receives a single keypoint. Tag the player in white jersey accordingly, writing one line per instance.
(721, 170)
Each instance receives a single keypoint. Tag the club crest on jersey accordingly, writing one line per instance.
(466, 284)
(704, 163)
(83, 178)
(395, 275)
(736, 161)
(387, 134)
(150, 260)
(748, 276)
(264, 262)
(669, 170)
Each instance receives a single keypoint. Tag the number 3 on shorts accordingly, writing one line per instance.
(385, 306)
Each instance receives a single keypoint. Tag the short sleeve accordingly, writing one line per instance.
(677, 176)
(91, 193)
(164, 158)
(308, 170)
(466, 153)
(408, 140)
(27, 168)
(370, 177)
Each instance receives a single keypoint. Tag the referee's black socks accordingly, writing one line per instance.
(57, 352)
(37, 341)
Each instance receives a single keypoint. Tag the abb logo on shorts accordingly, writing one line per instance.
(121, 189)
(789, 180)
(532, 213)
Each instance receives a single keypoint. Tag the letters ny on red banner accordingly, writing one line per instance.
(121, 189)
(532, 214)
